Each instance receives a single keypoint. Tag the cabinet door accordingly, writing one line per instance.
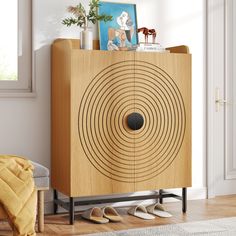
(163, 98)
(103, 95)
(131, 122)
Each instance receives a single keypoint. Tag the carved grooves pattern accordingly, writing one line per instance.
(112, 148)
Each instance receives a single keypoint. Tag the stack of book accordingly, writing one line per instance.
(150, 47)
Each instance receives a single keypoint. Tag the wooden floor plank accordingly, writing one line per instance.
(219, 207)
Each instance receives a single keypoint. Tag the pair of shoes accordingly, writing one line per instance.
(142, 212)
(102, 215)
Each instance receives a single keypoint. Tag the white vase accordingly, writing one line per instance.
(86, 39)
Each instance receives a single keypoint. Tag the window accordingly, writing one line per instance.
(15, 46)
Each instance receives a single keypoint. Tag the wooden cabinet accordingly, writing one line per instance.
(121, 121)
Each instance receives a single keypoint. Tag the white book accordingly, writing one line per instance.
(150, 47)
(151, 50)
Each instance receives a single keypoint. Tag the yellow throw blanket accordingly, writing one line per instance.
(18, 194)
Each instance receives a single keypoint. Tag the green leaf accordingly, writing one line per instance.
(82, 18)
(69, 21)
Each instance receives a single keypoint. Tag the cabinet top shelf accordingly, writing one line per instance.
(75, 44)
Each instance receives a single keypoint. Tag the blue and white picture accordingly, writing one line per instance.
(121, 32)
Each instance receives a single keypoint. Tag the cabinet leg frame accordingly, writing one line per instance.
(72, 203)
(72, 211)
(184, 200)
(55, 197)
(160, 194)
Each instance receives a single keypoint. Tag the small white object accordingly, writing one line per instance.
(111, 46)
(86, 39)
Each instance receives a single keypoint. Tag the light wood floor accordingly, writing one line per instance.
(219, 207)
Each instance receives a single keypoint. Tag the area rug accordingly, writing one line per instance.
(218, 227)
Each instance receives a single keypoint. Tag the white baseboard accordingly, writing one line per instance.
(193, 194)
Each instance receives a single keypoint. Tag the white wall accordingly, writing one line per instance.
(25, 122)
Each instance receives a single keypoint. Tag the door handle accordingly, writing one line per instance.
(219, 101)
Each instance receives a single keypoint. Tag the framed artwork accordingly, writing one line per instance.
(121, 32)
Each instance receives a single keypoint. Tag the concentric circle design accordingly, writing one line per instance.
(115, 150)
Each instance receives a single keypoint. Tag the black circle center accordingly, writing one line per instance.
(135, 121)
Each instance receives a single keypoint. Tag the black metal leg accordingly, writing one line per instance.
(184, 200)
(72, 210)
(55, 197)
(160, 194)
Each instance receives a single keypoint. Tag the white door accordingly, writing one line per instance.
(221, 97)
